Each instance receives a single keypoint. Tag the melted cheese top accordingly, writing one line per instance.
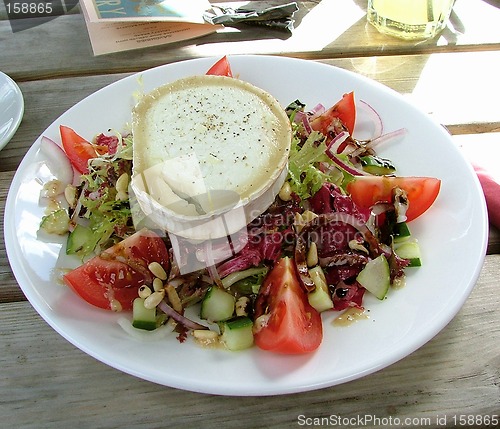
(203, 143)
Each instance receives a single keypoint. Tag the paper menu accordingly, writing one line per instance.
(145, 10)
(112, 37)
(124, 31)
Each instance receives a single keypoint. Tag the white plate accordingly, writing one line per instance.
(453, 237)
(11, 108)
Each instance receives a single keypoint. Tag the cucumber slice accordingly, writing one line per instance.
(375, 277)
(409, 250)
(378, 166)
(217, 305)
(237, 334)
(81, 240)
(401, 232)
(56, 222)
(320, 297)
(142, 317)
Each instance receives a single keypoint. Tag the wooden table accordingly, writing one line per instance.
(47, 382)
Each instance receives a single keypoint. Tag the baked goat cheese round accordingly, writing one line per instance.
(210, 155)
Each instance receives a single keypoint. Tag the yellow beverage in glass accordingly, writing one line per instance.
(409, 19)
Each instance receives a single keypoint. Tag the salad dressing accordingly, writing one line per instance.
(208, 341)
(350, 316)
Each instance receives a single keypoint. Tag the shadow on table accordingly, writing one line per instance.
(495, 3)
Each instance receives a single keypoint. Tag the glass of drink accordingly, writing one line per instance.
(409, 19)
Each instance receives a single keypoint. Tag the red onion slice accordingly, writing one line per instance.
(307, 124)
(56, 160)
(317, 110)
(299, 115)
(373, 118)
(210, 262)
(183, 320)
(340, 138)
(388, 137)
(346, 167)
(380, 208)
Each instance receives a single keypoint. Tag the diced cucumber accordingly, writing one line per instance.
(375, 277)
(217, 305)
(80, 240)
(320, 297)
(142, 317)
(237, 334)
(378, 166)
(401, 232)
(56, 222)
(409, 250)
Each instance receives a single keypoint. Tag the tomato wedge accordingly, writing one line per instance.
(77, 149)
(345, 110)
(285, 322)
(369, 190)
(221, 68)
(113, 278)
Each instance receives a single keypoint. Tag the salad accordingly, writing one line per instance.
(337, 230)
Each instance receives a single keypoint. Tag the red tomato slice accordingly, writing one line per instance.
(345, 110)
(77, 149)
(117, 273)
(368, 190)
(221, 68)
(289, 324)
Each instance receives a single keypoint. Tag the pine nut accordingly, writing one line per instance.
(122, 183)
(241, 306)
(144, 291)
(261, 322)
(157, 270)
(205, 334)
(121, 196)
(285, 192)
(206, 337)
(173, 297)
(298, 222)
(122, 187)
(154, 299)
(312, 255)
(308, 216)
(157, 284)
(70, 195)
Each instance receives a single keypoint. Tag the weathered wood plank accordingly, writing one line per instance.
(9, 288)
(51, 384)
(325, 29)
